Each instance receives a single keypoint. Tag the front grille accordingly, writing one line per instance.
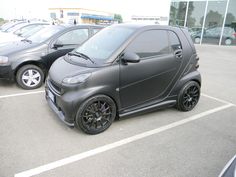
(54, 86)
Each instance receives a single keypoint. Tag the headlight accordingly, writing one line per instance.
(76, 79)
(3, 59)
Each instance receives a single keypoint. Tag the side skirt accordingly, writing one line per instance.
(160, 105)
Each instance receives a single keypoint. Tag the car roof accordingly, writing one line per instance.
(140, 26)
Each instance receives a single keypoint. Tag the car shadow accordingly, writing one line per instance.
(7, 83)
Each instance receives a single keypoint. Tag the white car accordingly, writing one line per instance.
(20, 32)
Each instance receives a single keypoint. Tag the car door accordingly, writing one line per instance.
(149, 79)
(66, 42)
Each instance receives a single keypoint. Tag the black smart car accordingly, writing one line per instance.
(124, 69)
(28, 61)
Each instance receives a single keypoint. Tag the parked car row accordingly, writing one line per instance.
(28, 59)
(213, 34)
(94, 78)
(20, 31)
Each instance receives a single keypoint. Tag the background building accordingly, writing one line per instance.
(209, 21)
(80, 15)
(150, 19)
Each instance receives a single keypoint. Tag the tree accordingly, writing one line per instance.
(1, 21)
(229, 19)
(118, 17)
(213, 19)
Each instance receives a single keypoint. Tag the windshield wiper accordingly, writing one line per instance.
(78, 54)
(27, 40)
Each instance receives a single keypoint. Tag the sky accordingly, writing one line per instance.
(10, 9)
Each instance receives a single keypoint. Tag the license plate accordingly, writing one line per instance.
(51, 96)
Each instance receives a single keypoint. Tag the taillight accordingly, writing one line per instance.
(234, 34)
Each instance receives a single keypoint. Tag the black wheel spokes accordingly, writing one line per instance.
(191, 97)
(97, 115)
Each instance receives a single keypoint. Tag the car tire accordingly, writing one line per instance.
(96, 114)
(228, 41)
(188, 96)
(197, 40)
(30, 77)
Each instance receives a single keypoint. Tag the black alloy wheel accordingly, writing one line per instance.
(96, 114)
(189, 96)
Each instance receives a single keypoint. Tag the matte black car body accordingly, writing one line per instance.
(134, 87)
(41, 54)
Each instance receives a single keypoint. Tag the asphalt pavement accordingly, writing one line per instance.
(164, 143)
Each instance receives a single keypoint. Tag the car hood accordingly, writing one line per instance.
(62, 68)
(14, 47)
(9, 37)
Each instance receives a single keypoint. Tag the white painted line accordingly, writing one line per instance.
(21, 94)
(42, 91)
(107, 147)
(217, 99)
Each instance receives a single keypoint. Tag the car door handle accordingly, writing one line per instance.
(178, 53)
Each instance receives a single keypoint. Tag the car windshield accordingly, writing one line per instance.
(6, 25)
(102, 45)
(9, 25)
(16, 27)
(29, 30)
(45, 34)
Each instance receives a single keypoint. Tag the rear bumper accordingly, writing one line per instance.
(6, 72)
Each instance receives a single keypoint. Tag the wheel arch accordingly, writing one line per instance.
(36, 63)
(92, 92)
(192, 76)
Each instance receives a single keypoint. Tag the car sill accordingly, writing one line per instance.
(158, 105)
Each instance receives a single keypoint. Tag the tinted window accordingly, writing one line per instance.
(77, 36)
(150, 43)
(174, 41)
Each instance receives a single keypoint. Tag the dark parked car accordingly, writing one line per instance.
(20, 32)
(28, 61)
(230, 169)
(212, 35)
(122, 70)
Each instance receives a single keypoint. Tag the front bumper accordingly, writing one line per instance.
(6, 72)
(60, 105)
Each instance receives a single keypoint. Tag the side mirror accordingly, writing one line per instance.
(130, 57)
(57, 44)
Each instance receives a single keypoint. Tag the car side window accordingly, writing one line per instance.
(174, 41)
(77, 37)
(150, 43)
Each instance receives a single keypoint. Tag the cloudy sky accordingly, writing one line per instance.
(39, 8)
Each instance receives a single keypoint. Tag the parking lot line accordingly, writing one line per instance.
(217, 99)
(21, 94)
(42, 91)
(78, 157)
